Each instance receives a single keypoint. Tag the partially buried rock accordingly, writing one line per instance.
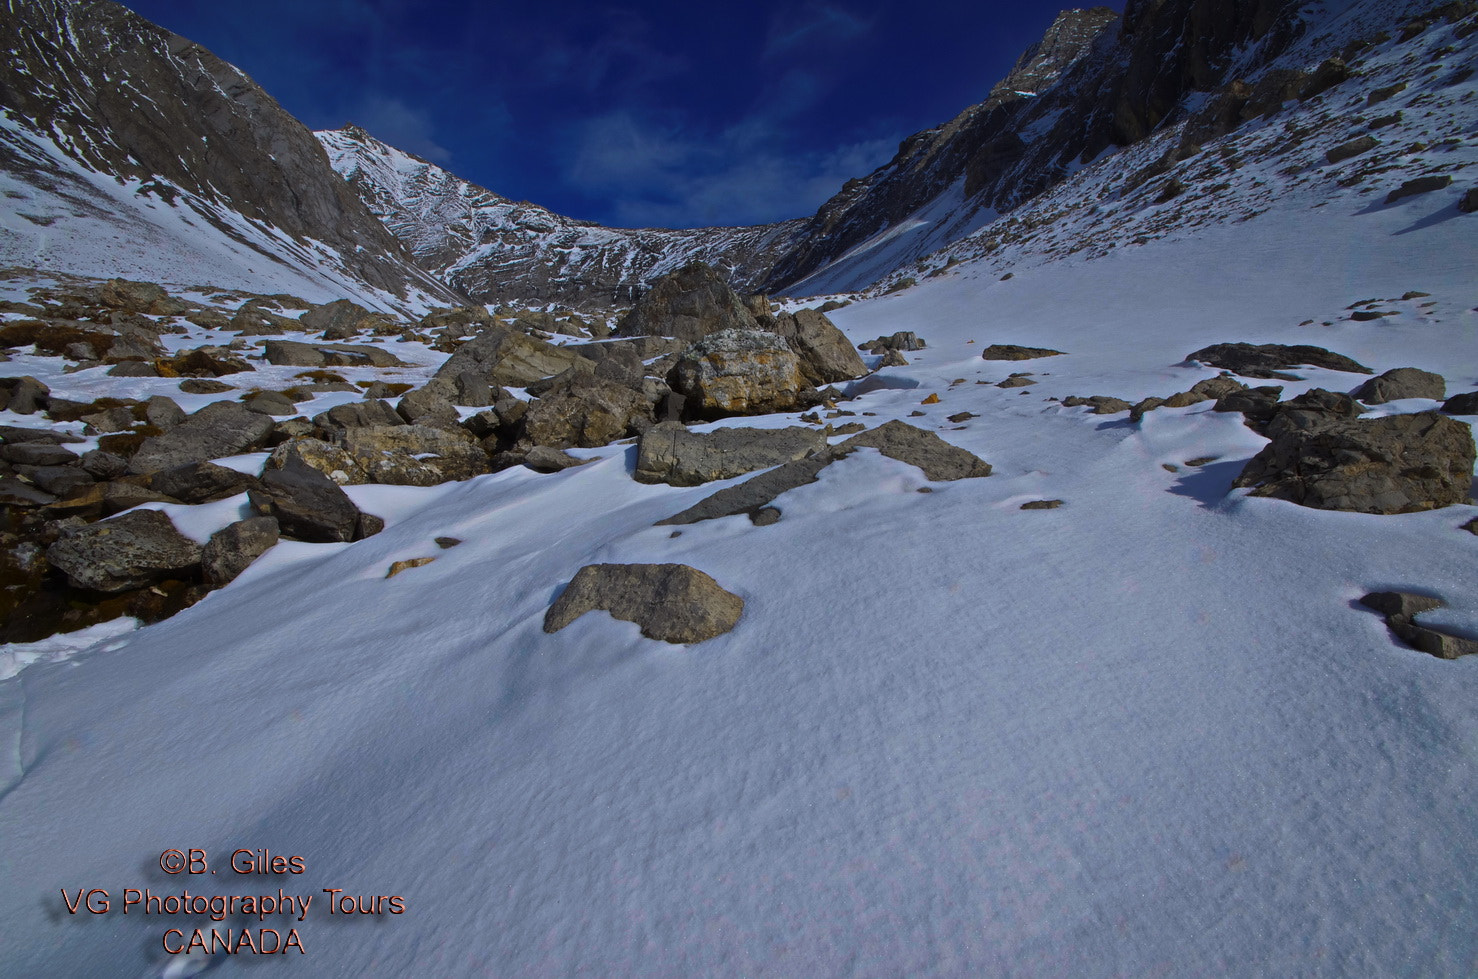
(130, 551)
(1403, 382)
(1010, 351)
(220, 429)
(1270, 360)
(939, 460)
(671, 602)
(307, 504)
(1462, 404)
(231, 550)
(291, 353)
(670, 453)
(1396, 464)
(1400, 610)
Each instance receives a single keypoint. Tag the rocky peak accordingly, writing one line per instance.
(1067, 40)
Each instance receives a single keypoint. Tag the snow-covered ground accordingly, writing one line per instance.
(1146, 733)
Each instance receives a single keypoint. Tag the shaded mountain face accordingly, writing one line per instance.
(90, 89)
(495, 249)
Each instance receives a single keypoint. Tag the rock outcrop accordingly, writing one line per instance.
(671, 602)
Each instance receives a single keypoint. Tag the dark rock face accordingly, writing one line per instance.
(1010, 351)
(670, 453)
(130, 551)
(220, 429)
(232, 549)
(307, 504)
(1462, 404)
(1397, 464)
(689, 304)
(1418, 185)
(138, 102)
(671, 602)
(1268, 360)
(1403, 382)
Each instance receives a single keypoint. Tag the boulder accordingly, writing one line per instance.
(274, 403)
(430, 405)
(138, 297)
(306, 504)
(1267, 360)
(328, 459)
(1403, 382)
(222, 428)
(827, 356)
(130, 551)
(415, 455)
(1462, 404)
(232, 549)
(359, 414)
(507, 357)
(1418, 185)
(1400, 610)
(162, 412)
(755, 493)
(290, 353)
(670, 453)
(1010, 351)
(741, 372)
(336, 320)
(200, 482)
(208, 361)
(201, 385)
(585, 412)
(26, 395)
(1396, 464)
(458, 321)
(1314, 408)
(671, 602)
(1353, 148)
(903, 340)
(543, 459)
(692, 303)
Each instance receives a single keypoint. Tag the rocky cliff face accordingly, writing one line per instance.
(496, 249)
(89, 88)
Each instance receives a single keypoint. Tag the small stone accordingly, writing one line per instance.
(406, 565)
(1042, 505)
(446, 542)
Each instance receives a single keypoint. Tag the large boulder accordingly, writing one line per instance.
(138, 297)
(130, 551)
(200, 482)
(586, 411)
(670, 453)
(327, 458)
(1403, 382)
(508, 358)
(307, 504)
(689, 304)
(415, 455)
(671, 602)
(290, 353)
(741, 372)
(337, 320)
(1396, 464)
(358, 414)
(827, 356)
(1462, 404)
(222, 428)
(1271, 360)
(232, 549)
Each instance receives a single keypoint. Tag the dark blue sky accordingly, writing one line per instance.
(668, 113)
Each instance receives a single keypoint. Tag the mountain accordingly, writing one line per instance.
(497, 249)
(126, 149)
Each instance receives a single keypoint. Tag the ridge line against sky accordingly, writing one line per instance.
(654, 114)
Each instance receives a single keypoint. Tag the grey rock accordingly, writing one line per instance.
(127, 552)
(892, 358)
(1010, 351)
(903, 340)
(342, 318)
(103, 465)
(222, 428)
(689, 304)
(415, 455)
(27, 395)
(670, 453)
(543, 459)
(430, 406)
(60, 481)
(108, 420)
(741, 372)
(360, 414)
(1400, 610)
(162, 412)
(1267, 360)
(37, 454)
(938, 459)
(1403, 382)
(232, 549)
(1462, 404)
(507, 357)
(754, 493)
(826, 354)
(200, 482)
(273, 403)
(133, 368)
(203, 385)
(1396, 464)
(291, 353)
(1418, 185)
(587, 413)
(307, 504)
(671, 602)
(1354, 147)
(331, 460)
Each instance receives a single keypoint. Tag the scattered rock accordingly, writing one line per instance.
(1010, 351)
(939, 460)
(670, 453)
(1267, 359)
(754, 493)
(671, 602)
(1418, 185)
(544, 459)
(360, 414)
(200, 482)
(903, 340)
(826, 354)
(415, 455)
(202, 362)
(1396, 464)
(129, 551)
(962, 416)
(223, 428)
(274, 403)
(1462, 404)
(1468, 203)
(1400, 610)
(1042, 505)
(507, 357)
(1403, 382)
(415, 562)
(232, 549)
(290, 353)
(163, 413)
(892, 358)
(1101, 404)
(337, 320)
(765, 516)
(932, 399)
(200, 385)
(446, 542)
(328, 459)
(1354, 147)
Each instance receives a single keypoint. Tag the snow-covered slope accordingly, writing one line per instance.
(496, 249)
(125, 149)
(1149, 732)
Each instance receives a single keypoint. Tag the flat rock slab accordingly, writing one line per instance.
(671, 602)
(670, 453)
(291, 353)
(224, 428)
(1400, 610)
(306, 504)
(1269, 360)
(1403, 382)
(507, 357)
(1010, 351)
(755, 493)
(130, 551)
